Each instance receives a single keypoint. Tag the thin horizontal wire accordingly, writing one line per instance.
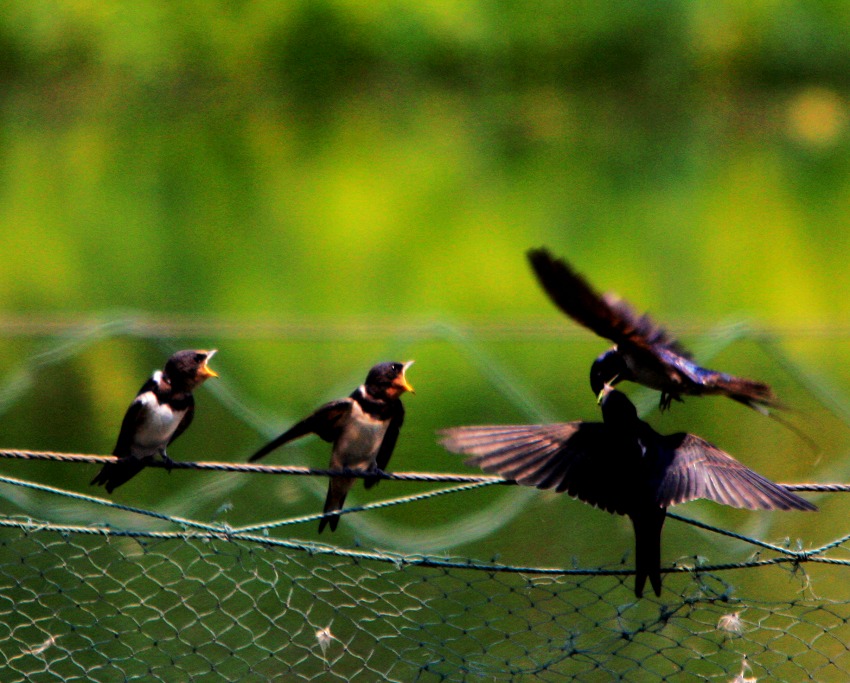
(361, 508)
(530, 327)
(467, 483)
(298, 470)
(737, 536)
(23, 483)
(252, 468)
(223, 528)
(817, 488)
(397, 559)
(829, 546)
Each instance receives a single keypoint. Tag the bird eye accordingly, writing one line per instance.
(199, 357)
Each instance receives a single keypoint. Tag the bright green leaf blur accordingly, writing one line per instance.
(315, 186)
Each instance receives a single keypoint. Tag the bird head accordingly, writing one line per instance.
(609, 368)
(188, 369)
(387, 380)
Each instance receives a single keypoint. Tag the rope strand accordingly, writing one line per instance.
(248, 533)
(253, 468)
(299, 470)
(398, 559)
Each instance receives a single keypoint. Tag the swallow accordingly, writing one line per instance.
(162, 410)
(363, 429)
(624, 467)
(643, 352)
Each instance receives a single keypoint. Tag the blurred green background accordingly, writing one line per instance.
(312, 187)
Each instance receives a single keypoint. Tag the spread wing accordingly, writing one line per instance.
(574, 457)
(690, 468)
(582, 459)
(388, 444)
(606, 315)
(326, 423)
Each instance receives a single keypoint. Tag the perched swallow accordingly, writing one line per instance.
(623, 466)
(363, 428)
(162, 410)
(643, 351)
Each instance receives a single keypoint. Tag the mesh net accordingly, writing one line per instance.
(208, 603)
(98, 605)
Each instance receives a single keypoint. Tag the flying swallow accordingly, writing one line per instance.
(363, 428)
(643, 351)
(622, 466)
(162, 410)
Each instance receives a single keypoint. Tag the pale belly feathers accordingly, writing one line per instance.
(157, 427)
(359, 443)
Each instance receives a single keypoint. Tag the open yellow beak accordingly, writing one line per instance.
(401, 380)
(205, 371)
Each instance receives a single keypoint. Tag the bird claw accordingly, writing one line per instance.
(167, 461)
(667, 400)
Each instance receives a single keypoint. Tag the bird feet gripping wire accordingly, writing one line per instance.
(167, 461)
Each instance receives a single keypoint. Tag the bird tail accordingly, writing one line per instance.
(113, 474)
(647, 525)
(338, 489)
(292, 433)
(756, 395)
(760, 397)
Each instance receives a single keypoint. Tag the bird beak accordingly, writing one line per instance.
(607, 388)
(401, 380)
(205, 371)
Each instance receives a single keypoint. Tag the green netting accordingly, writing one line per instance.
(98, 605)
(161, 597)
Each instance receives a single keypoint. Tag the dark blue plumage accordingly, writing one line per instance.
(623, 466)
(644, 352)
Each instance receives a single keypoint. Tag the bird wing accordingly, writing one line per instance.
(689, 467)
(575, 457)
(606, 315)
(326, 422)
(186, 420)
(388, 444)
(131, 421)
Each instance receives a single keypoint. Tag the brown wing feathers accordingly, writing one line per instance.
(523, 453)
(607, 315)
(697, 469)
(575, 457)
(568, 457)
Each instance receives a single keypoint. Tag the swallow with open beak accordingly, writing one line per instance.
(643, 351)
(363, 428)
(162, 410)
(623, 466)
